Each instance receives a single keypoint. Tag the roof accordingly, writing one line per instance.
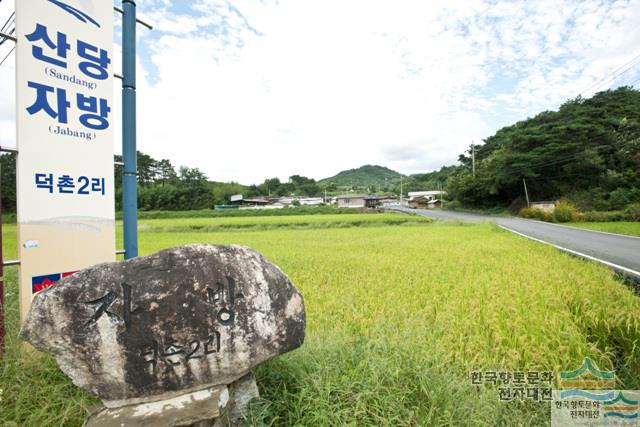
(354, 196)
(424, 193)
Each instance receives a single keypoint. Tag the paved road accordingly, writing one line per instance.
(622, 251)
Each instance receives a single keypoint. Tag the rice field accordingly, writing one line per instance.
(398, 314)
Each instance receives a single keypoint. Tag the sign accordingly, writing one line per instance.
(65, 188)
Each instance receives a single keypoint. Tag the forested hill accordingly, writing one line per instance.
(587, 151)
(366, 176)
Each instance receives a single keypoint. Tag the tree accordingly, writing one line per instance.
(165, 172)
(8, 177)
(147, 169)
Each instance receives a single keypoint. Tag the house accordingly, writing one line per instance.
(389, 201)
(435, 203)
(302, 200)
(311, 201)
(351, 201)
(239, 200)
(417, 202)
(425, 199)
(373, 202)
(428, 195)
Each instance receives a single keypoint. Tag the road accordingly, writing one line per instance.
(619, 252)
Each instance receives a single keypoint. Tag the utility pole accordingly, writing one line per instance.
(473, 159)
(526, 194)
(400, 190)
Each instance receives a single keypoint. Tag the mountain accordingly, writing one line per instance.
(363, 177)
(588, 151)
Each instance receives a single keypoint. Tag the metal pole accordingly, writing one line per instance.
(129, 157)
(525, 191)
(1, 280)
(400, 190)
(473, 159)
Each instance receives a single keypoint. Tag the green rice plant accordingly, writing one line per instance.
(397, 317)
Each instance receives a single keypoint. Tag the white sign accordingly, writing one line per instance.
(66, 218)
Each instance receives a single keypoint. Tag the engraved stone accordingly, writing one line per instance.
(182, 320)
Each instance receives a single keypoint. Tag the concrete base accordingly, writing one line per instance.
(212, 407)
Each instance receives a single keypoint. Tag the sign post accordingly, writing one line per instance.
(65, 187)
(129, 154)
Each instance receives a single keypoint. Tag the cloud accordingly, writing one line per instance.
(249, 89)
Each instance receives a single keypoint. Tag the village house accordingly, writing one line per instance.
(425, 199)
(351, 201)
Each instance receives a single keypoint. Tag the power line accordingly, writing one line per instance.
(545, 178)
(614, 74)
(5, 58)
(9, 19)
(555, 161)
(614, 77)
(598, 82)
(4, 39)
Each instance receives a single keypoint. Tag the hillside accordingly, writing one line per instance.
(363, 177)
(588, 151)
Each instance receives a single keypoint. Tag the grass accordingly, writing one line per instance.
(620, 227)
(272, 222)
(397, 316)
(210, 213)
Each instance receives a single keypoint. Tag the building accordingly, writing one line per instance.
(301, 200)
(351, 201)
(389, 201)
(311, 201)
(428, 195)
(435, 203)
(425, 199)
(373, 202)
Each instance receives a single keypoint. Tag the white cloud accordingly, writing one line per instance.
(251, 89)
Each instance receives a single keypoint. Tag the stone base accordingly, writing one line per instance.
(218, 406)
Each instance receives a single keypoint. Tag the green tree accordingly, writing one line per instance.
(8, 177)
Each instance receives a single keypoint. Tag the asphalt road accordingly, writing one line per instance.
(617, 250)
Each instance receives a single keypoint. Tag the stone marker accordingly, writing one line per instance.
(183, 325)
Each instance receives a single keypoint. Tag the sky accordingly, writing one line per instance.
(247, 90)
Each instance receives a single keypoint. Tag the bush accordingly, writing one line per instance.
(598, 216)
(516, 205)
(632, 212)
(565, 211)
(534, 213)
